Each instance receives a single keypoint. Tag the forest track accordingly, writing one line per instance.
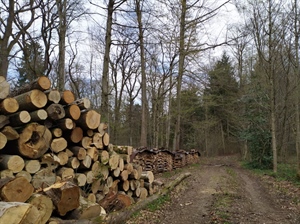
(220, 191)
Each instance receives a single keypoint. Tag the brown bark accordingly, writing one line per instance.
(4, 120)
(65, 124)
(9, 106)
(65, 196)
(10, 133)
(79, 152)
(17, 189)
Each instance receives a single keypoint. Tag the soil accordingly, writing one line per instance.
(220, 191)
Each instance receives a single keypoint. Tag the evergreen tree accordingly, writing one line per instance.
(31, 65)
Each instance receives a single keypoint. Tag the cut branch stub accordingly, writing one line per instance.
(34, 141)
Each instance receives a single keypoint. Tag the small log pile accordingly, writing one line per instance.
(56, 158)
(162, 160)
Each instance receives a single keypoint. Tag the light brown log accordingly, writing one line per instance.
(123, 149)
(102, 128)
(67, 97)
(125, 185)
(9, 106)
(142, 182)
(80, 179)
(38, 115)
(25, 174)
(134, 174)
(105, 139)
(6, 173)
(4, 88)
(143, 193)
(93, 153)
(137, 192)
(14, 163)
(16, 189)
(34, 141)
(147, 176)
(109, 181)
(104, 189)
(86, 142)
(87, 210)
(113, 161)
(89, 177)
(92, 197)
(69, 152)
(4, 120)
(55, 111)
(51, 160)
(97, 140)
(89, 120)
(125, 157)
(100, 170)
(56, 132)
(104, 157)
(66, 173)
(10, 133)
(65, 124)
(58, 144)
(73, 162)
(53, 96)
(32, 166)
(76, 135)
(18, 212)
(79, 152)
(86, 162)
(83, 103)
(95, 186)
(43, 176)
(32, 100)
(89, 133)
(44, 206)
(3, 140)
(19, 118)
(124, 175)
(121, 164)
(116, 172)
(73, 112)
(63, 158)
(149, 188)
(64, 195)
(128, 167)
(139, 170)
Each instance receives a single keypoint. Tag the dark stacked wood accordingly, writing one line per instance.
(162, 160)
(56, 145)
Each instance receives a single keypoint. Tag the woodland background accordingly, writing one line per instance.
(149, 68)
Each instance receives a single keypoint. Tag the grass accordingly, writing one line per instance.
(285, 172)
(157, 204)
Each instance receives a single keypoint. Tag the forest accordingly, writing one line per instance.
(150, 68)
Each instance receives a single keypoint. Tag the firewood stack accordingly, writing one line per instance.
(163, 160)
(55, 154)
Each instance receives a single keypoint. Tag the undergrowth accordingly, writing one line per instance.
(158, 203)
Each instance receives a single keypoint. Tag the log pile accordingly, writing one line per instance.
(55, 154)
(163, 160)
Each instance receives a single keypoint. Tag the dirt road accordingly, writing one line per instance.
(219, 191)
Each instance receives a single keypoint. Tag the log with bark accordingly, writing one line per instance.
(3, 140)
(73, 111)
(89, 120)
(44, 206)
(83, 103)
(55, 111)
(19, 119)
(18, 212)
(9, 106)
(32, 100)
(64, 195)
(43, 176)
(53, 96)
(15, 189)
(38, 115)
(67, 97)
(14, 163)
(34, 141)
(4, 88)
(4, 120)
(10, 133)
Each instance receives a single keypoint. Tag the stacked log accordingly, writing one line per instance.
(56, 146)
(163, 160)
